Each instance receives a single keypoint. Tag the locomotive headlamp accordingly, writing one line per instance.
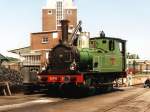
(60, 56)
(73, 65)
(39, 77)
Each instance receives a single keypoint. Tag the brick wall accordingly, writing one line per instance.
(48, 19)
(36, 40)
(72, 17)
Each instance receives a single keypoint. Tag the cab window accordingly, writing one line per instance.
(92, 44)
(111, 45)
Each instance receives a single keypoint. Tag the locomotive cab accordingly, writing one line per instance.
(109, 55)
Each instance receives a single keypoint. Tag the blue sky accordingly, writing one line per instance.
(126, 19)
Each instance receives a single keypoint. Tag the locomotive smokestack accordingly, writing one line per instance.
(64, 28)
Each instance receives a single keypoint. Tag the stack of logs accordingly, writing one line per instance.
(13, 77)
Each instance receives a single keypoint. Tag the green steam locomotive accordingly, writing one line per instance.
(83, 62)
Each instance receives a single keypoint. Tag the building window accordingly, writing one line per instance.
(44, 40)
(50, 12)
(59, 12)
(69, 12)
(55, 35)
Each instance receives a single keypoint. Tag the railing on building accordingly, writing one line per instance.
(31, 63)
(31, 60)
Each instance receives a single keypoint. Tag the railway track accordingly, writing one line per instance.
(124, 101)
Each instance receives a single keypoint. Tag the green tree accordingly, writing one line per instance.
(132, 56)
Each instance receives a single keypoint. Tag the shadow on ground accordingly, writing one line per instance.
(74, 94)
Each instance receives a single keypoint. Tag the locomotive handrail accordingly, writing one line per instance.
(75, 31)
(103, 50)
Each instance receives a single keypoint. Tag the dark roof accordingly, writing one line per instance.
(3, 58)
(21, 50)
